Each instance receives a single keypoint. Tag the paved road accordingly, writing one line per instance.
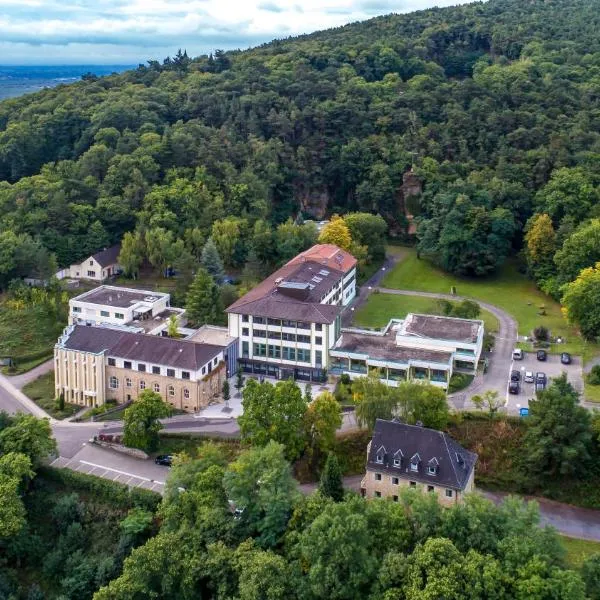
(498, 372)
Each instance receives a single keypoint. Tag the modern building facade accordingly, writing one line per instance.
(97, 267)
(288, 323)
(401, 455)
(426, 348)
(140, 310)
(96, 364)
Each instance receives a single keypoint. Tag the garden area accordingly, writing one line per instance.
(42, 392)
(508, 289)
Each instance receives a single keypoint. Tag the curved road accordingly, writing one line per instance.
(497, 375)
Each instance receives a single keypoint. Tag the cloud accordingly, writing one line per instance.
(131, 31)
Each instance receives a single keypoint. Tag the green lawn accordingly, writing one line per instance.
(592, 392)
(578, 550)
(41, 391)
(380, 308)
(509, 290)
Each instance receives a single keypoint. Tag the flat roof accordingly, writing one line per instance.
(211, 334)
(383, 347)
(119, 297)
(441, 328)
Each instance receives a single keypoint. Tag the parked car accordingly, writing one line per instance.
(540, 377)
(540, 386)
(565, 358)
(517, 354)
(529, 377)
(514, 387)
(166, 460)
(515, 375)
(542, 355)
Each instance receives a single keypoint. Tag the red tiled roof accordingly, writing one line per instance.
(328, 255)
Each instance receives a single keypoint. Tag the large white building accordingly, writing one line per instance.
(288, 323)
(139, 310)
(420, 347)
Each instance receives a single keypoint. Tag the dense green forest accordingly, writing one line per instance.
(496, 105)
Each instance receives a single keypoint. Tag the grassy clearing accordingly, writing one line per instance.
(380, 308)
(578, 550)
(592, 392)
(174, 443)
(42, 392)
(508, 289)
(27, 336)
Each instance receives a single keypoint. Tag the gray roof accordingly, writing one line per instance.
(151, 349)
(454, 462)
(292, 292)
(117, 297)
(383, 347)
(108, 256)
(442, 328)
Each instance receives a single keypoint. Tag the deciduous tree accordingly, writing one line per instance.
(141, 421)
(336, 232)
(581, 302)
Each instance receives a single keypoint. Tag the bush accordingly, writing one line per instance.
(459, 381)
(541, 333)
(593, 377)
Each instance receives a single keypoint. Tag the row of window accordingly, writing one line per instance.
(413, 484)
(281, 323)
(103, 313)
(127, 364)
(281, 352)
(113, 384)
(278, 335)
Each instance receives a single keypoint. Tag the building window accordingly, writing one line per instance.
(274, 351)
(113, 383)
(245, 331)
(127, 364)
(395, 481)
(318, 358)
(77, 309)
(413, 484)
(379, 458)
(318, 327)
(185, 374)
(395, 498)
(245, 318)
(156, 387)
(171, 390)
(203, 370)
(449, 493)
(260, 349)
(127, 382)
(397, 462)
(186, 393)
(112, 362)
(430, 488)
(170, 372)
(104, 313)
(215, 361)
(377, 476)
(259, 320)
(91, 263)
(318, 340)
(432, 470)
(245, 351)
(119, 316)
(156, 370)
(303, 355)
(142, 367)
(377, 494)
(276, 322)
(142, 384)
(91, 273)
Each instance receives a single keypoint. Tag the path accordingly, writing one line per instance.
(500, 364)
(19, 381)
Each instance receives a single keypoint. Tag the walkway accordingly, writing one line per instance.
(19, 381)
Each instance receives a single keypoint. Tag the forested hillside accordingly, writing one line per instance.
(496, 105)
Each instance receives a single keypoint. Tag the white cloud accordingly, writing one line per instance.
(131, 31)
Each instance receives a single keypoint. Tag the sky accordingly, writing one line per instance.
(112, 32)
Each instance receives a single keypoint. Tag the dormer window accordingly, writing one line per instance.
(414, 463)
(433, 466)
(398, 458)
(380, 456)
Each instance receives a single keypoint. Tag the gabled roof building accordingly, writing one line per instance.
(401, 455)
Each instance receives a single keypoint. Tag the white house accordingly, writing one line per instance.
(97, 267)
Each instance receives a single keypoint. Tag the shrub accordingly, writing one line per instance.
(459, 381)
(541, 333)
(593, 377)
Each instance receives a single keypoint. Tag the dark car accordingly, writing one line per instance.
(513, 387)
(515, 376)
(540, 377)
(166, 460)
(540, 386)
(565, 358)
(541, 355)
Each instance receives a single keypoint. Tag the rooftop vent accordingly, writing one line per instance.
(150, 298)
(317, 279)
(279, 280)
(324, 272)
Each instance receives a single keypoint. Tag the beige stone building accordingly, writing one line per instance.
(96, 364)
(401, 455)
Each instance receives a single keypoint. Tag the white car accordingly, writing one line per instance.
(517, 354)
(528, 377)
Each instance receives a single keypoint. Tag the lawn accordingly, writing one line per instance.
(28, 336)
(592, 392)
(578, 550)
(41, 391)
(508, 289)
(380, 308)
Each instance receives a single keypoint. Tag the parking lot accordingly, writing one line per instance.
(552, 367)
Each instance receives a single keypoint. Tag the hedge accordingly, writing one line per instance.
(108, 491)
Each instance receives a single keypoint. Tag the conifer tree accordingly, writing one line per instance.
(331, 484)
(203, 301)
(211, 260)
